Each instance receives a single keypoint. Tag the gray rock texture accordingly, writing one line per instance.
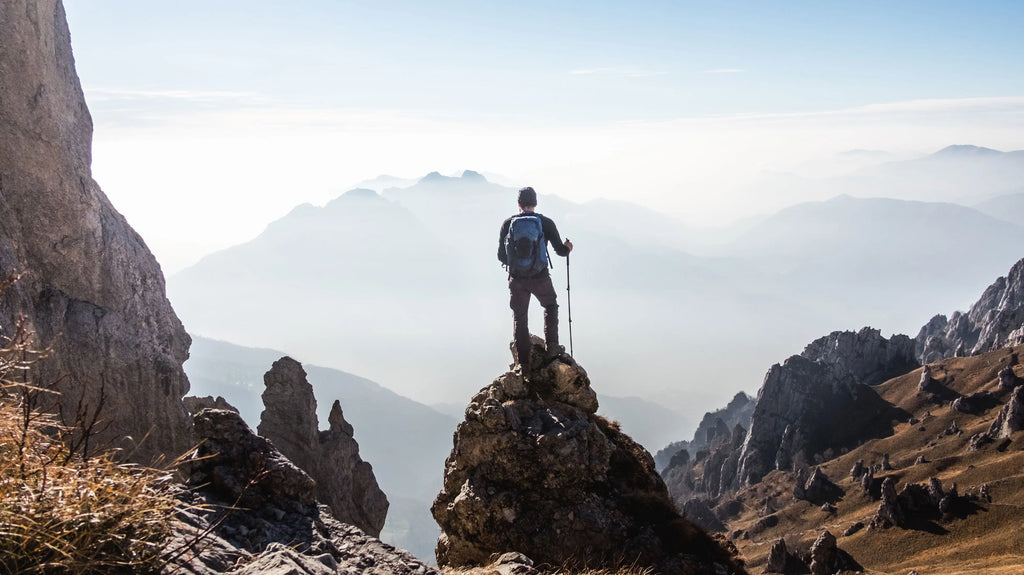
(90, 290)
(344, 482)
(820, 400)
(196, 404)
(1008, 378)
(865, 356)
(254, 512)
(889, 513)
(534, 470)
(996, 320)
(1011, 418)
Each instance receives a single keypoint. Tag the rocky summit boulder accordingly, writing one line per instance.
(90, 290)
(344, 482)
(534, 470)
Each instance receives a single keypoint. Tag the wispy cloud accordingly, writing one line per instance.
(620, 72)
(193, 96)
(724, 71)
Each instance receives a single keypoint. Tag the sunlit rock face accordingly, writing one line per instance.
(90, 289)
(996, 320)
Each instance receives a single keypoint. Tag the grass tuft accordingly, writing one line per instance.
(62, 511)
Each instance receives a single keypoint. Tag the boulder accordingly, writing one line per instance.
(975, 403)
(889, 513)
(1008, 379)
(90, 290)
(858, 470)
(534, 470)
(827, 558)
(819, 489)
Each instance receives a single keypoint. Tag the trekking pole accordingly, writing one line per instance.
(568, 299)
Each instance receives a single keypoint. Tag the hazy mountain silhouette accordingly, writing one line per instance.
(899, 254)
(405, 287)
(1009, 207)
(960, 173)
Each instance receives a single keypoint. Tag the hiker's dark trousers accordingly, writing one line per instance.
(520, 290)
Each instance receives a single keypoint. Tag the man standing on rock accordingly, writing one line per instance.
(522, 248)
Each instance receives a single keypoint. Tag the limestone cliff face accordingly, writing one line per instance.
(91, 289)
(533, 470)
(995, 320)
(806, 404)
(344, 482)
(864, 355)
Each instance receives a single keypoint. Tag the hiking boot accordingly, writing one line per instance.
(555, 351)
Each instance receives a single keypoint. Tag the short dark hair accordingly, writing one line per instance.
(527, 197)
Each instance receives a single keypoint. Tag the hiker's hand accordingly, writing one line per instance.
(568, 245)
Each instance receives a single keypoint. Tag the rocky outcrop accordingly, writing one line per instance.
(736, 412)
(344, 482)
(996, 320)
(1011, 418)
(252, 511)
(889, 512)
(196, 404)
(864, 356)
(1008, 379)
(90, 288)
(827, 558)
(534, 470)
(819, 400)
(819, 489)
(710, 473)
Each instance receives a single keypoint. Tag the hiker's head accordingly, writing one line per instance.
(527, 198)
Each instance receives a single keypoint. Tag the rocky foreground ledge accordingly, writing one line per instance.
(535, 471)
(252, 511)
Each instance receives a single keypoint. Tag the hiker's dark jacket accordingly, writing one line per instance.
(550, 235)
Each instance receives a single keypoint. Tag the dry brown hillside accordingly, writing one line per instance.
(980, 537)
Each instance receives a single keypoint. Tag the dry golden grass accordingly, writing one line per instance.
(985, 541)
(61, 512)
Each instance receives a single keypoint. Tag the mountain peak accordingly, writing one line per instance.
(963, 150)
(360, 193)
(433, 177)
(467, 176)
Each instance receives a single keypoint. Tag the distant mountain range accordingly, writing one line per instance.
(404, 286)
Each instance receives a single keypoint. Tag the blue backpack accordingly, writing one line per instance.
(525, 247)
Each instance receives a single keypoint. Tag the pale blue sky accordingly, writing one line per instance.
(253, 107)
(558, 61)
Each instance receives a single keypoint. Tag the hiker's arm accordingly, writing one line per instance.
(502, 256)
(551, 234)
